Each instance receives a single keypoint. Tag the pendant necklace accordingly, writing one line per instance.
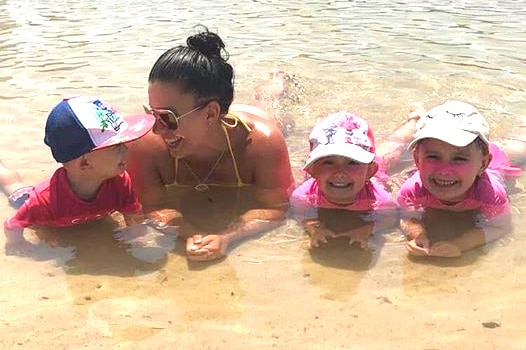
(201, 183)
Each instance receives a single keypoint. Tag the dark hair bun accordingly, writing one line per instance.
(207, 43)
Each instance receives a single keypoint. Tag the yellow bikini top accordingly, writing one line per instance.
(228, 121)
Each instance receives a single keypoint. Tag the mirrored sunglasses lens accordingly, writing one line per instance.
(167, 119)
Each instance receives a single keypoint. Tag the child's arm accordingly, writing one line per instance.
(15, 241)
(14, 236)
(486, 231)
(14, 230)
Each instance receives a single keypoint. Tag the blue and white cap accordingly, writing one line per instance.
(82, 124)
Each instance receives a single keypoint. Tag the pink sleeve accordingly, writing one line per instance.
(21, 219)
(493, 197)
(409, 193)
(300, 201)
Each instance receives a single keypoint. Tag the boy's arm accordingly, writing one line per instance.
(14, 236)
(15, 224)
(15, 241)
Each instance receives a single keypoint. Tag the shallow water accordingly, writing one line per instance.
(86, 290)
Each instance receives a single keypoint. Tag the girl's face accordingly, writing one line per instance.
(191, 130)
(340, 178)
(108, 162)
(447, 171)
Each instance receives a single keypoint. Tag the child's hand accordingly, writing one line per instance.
(445, 249)
(418, 246)
(412, 228)
(319, 234)
(360, 235)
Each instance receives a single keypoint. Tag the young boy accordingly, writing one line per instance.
(459, 172)
(343, 167)
(88, 136)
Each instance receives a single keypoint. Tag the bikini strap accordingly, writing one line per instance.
(231, 120)
(239, 182)
(176, 170)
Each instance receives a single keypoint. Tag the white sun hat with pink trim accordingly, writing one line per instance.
(341, 134)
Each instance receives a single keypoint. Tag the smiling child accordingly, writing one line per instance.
(459, 171)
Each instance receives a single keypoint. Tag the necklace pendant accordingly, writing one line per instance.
(201, 187)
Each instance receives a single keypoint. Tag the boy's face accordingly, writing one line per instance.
(340, 178)
(109, 162)
(447, 171)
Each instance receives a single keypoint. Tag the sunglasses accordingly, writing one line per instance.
(167, 117)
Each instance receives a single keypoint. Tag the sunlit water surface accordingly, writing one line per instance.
(86, 290)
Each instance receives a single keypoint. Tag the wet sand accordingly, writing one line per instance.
(85, 289)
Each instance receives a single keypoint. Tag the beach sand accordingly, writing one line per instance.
(86, 290)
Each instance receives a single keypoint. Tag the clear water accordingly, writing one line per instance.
(374, 57)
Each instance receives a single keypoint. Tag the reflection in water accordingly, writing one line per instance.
(130, 299)
(337, 266)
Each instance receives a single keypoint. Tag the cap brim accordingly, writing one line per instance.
(346, 150)
(455, 137)
(136, 127)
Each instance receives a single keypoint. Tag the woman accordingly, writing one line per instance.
(210, 149)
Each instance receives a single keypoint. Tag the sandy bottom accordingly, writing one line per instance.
(86, 290)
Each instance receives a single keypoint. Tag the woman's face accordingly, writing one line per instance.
(190, 134)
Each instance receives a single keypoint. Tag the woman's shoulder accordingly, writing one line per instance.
(258, 119)
(264, 131)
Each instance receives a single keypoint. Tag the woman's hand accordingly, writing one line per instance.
(205, 248)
